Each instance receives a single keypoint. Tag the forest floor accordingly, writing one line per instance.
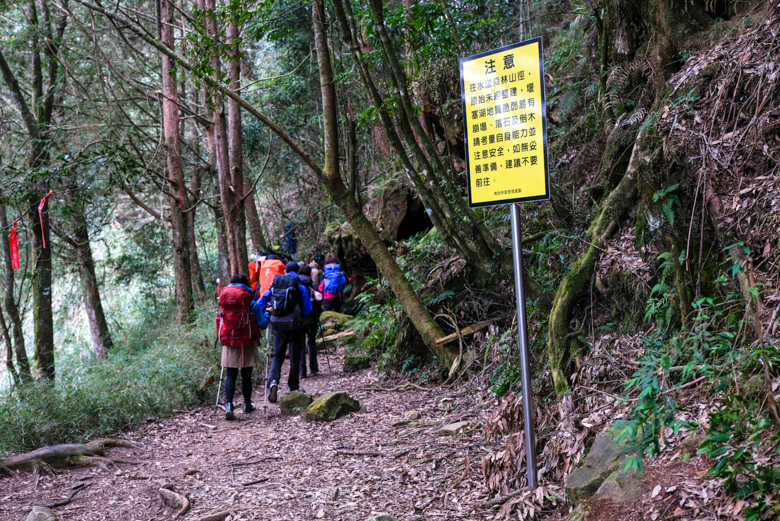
(274, 467)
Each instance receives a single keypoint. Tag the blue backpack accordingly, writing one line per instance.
(334, 279)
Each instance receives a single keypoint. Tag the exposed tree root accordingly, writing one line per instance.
(60, 456)
(174, 500)
(574, 286)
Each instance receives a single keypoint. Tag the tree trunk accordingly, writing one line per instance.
(9, 350)
(363, 228)
(253, 221)
(198, 287)
(93, 304)
(178, 194)
(10, 303)
(561, 346)
(236, 222)
(43, 323)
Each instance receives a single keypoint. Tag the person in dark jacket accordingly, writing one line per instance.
(295, 338)
(310, 324)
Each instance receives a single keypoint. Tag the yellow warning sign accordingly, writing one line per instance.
(505, 124)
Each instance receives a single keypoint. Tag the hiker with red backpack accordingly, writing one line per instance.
(332, 283)
(238, 325)
(290, 304)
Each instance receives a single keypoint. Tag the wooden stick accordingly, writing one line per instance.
(360, 453)
(463, 332)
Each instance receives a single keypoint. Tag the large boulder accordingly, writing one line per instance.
(295, 402)
(330, 406)
(355, 363)
(605, 457)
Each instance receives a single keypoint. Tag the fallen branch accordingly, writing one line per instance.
(503, 499)
(253, 462)
(60, 456)
(360, 453)
(70, 498)
(463, 332)
(174, 500)
(399, 387)
(255, 482)
(330, 338)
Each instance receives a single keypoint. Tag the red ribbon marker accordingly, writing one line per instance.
(40, 216)
(14, 247)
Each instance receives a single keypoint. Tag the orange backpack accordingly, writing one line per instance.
(254, 275)
(269, 268)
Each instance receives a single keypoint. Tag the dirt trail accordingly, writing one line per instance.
(360, 465)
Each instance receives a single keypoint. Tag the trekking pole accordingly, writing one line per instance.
(265, 386)
(322, 337)
(219, 387)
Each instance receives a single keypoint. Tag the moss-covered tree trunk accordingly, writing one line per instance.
(562, 346)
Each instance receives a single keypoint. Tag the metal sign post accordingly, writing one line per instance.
(505, 128)
(522, 342)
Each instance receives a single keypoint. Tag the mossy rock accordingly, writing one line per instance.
(334, 320)
(295, 402)
(329, 332)
(330, 406)
(605, 457)
(355, 363)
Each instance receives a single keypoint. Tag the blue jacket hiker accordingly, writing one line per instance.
(291, 304)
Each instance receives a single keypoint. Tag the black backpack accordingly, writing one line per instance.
(286, 300)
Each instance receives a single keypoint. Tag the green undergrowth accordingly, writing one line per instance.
(155, 370)
(720, 361)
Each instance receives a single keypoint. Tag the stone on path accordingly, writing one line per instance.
(382, 517)
(330, 406)
(295, 402)
(605, 457)
(412, 415)
(453, 428)
(41, 514)
(355, 363)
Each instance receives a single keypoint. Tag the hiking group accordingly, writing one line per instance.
(286, 300)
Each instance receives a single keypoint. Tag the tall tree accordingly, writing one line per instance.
(37, 115)
(178, 192)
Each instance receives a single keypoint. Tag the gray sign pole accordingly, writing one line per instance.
(522, 341)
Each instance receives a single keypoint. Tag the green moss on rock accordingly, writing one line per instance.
(355, 363)
(330, 406)
(295, 403)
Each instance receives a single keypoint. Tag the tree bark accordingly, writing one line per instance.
(10, 303)
(178, 195)
(43, 323)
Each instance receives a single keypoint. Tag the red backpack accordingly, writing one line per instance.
(236, 325)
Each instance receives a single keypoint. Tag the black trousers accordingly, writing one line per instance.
(283, 339)
(310, 330)
(246, 383)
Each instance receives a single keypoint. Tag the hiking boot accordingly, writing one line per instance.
(249, 407)
(272, 392)
(302, 375)
(229, 411)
